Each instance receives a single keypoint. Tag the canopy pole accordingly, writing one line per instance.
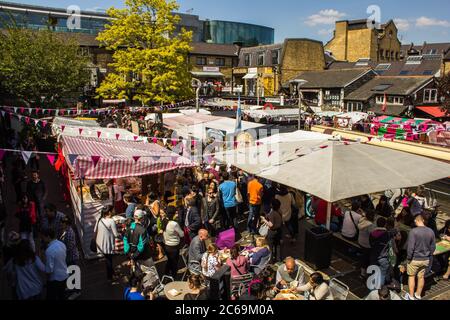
(329, 215)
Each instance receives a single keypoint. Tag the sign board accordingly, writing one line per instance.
(135, 128)
(273, 100)
(240, 71)
(252, 70)
(211, 69)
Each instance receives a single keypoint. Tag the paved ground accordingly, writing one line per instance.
(96, 287)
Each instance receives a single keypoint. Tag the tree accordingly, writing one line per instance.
(444, 92)
(41, 67)
(150, 54)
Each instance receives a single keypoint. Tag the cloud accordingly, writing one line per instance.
(328, 16)
(402, 24)
(325, 32)
(431, 22)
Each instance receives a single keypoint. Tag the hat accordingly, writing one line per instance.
(139, 214)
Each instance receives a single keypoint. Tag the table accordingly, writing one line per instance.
(180, 286)
(442, 247)
(289, 296)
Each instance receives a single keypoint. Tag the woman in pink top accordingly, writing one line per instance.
(239, 264)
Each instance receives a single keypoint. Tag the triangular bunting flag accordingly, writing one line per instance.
(95, 160)
(37, 110)
(27, 120)
(135, 138)
(165, 141)
(2, 154)
(369, 138)
(136, 158)
(22, 110)
(44, 123)
(36, 121)
(174, 142)
(51, 158)
(62, 128)
(30, 110)
(117, 136)
(155, 140)
(3, 113)
(156, 158)
(99, 133)
(15, 110)
(26, 155)
(80, 130)
(270, 153)
(72, 158)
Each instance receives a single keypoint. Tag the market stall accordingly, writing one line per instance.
(92, 162)
(404, 129)
(350, 119)
(276, 115)
(94, 132)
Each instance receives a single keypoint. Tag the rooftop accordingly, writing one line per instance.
(331, 78)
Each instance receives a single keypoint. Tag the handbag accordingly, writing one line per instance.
(264, 230)
(238, 196)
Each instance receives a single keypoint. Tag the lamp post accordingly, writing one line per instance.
(197, 83)
(299, 83)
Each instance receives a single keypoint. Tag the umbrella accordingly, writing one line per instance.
(295, 137)
(334, 171)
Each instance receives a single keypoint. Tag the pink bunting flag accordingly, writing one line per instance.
(323, 147)
(117, 136)
(61, 112)
(258, 143)
(2, 154)
(99, 133)
(136, 158)
(44, 123)
(62, 128)
(135, 138)
(369, 138)
(51, 158)
(80, 130)
(155, 140)
(27, 120)
(37, 110)
(95, 160)
(270, 153)
(194, 143)
(22, 110)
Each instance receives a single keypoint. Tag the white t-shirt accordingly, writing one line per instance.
(349, 228)
(55, 261)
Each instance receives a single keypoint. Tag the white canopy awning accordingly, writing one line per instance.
(213, 74)
(250, 76)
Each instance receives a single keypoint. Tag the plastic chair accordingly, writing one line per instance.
(338, 289)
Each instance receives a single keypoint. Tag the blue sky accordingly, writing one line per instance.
(418, 20)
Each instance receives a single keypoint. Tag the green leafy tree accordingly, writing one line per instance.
(150, 54)
(40, 67)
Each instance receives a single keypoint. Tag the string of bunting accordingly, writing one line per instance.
(26, 155)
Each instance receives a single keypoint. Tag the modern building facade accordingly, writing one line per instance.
(354, 40)
(60, 19)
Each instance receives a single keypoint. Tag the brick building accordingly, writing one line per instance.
(265, 68)
(354, 40)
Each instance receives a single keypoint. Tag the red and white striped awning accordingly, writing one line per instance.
(92, 158)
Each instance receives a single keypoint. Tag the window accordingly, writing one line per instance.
(220, 62)
(430, 95)
(354, 106)
(247, 60)
(383, 67)
(380, 99)
(432, 51)
(201, 61)
(261, 59)
(414, 60)
(398, 100)
(382, 87)
(275, 57)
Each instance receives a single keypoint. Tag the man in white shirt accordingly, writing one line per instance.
(55, 265)
(351, 220)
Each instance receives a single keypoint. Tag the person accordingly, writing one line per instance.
(268, 195)
(316, 288)
(210, 212)
(394, 196)
(381, 243)
(107, 233)
(37, 192)
(238, 263)
(27, 271)
(198, 198)
(365, 227)
(131, 205)
(211, 261)
(274, 221)
(261, 251)
(289, 274)
(55, 265)
(26, 213)
(136, 242)
(287, 202)
(197, 292)
(172, 238)
(192, 220)
(196, 250)
(132, 291)
(256, 292)
(321, 215)
(383, 208)
(383, 294)
(10, 247)
(350, 229)
(366, 203)
(255, 192)
(69, 239)
(227, 191)
(421, 247)
(52, 219)
(415, 208)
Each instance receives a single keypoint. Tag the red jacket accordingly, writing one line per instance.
(321, 214)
